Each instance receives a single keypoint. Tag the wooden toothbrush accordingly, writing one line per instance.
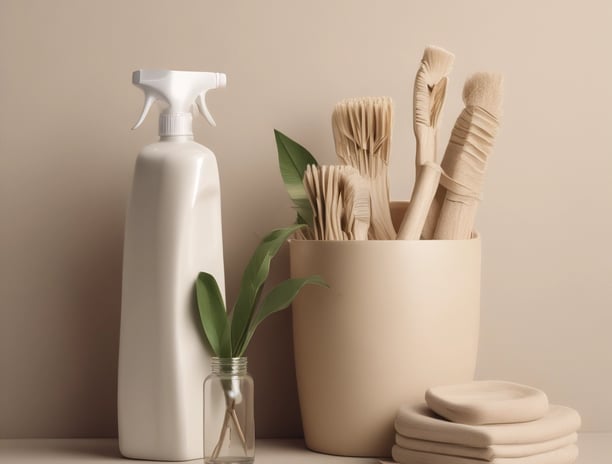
(428, 98)
(466, 156)
(362, 136)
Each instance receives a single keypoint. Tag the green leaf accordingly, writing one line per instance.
(304, 211)
(292, 160)
(252, 282)
(213, 315)
(279, 298)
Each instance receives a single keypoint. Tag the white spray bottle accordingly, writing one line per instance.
(173, 231)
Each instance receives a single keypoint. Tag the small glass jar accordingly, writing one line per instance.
(229, 423)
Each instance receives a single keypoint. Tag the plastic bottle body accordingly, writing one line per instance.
(173, 231)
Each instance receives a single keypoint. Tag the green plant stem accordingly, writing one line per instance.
(239, 430)
(230, 415)
(226, 419)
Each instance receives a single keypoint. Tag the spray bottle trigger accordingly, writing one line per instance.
(204, 110)
(149, 100)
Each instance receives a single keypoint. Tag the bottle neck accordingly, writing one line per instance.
(175, 124)
(233, 366)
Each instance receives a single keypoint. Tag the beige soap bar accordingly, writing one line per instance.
(487, 402)
(487, 453)
(565, 455)
(420, 422)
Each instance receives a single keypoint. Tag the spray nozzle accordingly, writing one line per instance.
(178, 91)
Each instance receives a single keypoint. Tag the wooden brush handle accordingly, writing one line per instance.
(457, 209)
(433, 214)
(425, 146)
(424, 191)
(426, 149)
(457, 216)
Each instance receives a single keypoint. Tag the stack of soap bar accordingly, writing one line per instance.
(493, 421)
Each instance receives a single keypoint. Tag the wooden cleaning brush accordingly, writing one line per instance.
(362, 135)
(466, 156)
(429, 96)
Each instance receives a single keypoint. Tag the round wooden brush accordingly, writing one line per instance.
(466, 156)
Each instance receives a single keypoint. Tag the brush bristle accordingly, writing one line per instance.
(437, 63)
(362, 129)
(484, 89)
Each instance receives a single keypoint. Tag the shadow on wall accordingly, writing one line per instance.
(95, 328)
(272, 366)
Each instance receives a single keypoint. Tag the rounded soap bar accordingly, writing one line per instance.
(487, 402)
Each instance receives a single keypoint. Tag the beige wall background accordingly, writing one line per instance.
(67, 156)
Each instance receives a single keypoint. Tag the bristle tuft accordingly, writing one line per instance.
(362, 129)
(437, 63)
(484, 89)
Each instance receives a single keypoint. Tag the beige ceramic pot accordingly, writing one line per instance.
(399, 317)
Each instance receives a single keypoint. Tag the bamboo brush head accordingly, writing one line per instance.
(485, 90)
(437, 63)
(362, 131)
(430, 85)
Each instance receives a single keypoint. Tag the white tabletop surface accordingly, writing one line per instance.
(595, 448)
